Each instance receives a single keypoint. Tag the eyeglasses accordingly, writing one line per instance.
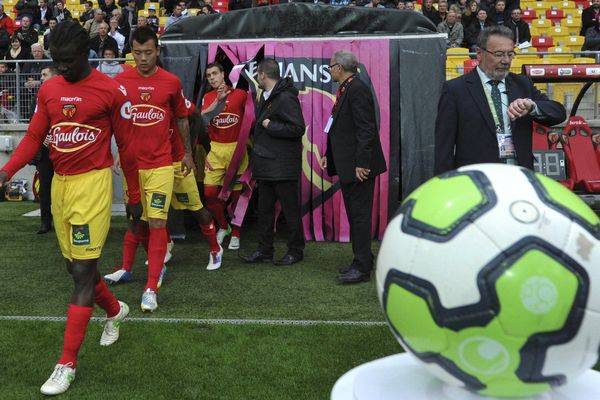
(333, 65)
(501, 54)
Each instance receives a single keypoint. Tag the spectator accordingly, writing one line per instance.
(7, 94)
(401, 5)
(454, 30)
(88, 13)
(108, 7)
(28, 7)
(499, 14)
(589, 17)
(26, 33)
(341, 3)
(460, 7)
(470, 15)
(141, 21)
(374, 4)
(103, 40)
(124, 27)
(128, 19)
(32, 71)
(184, 9)
(4, 42)
(176, 16)
(153, 21)
(592, 38)
(110, 68)
(410, 5)
(115, 34)
(60, 12)
(506, 105)
(487, 5)
(52, 22)
(45, 15)
(17, 52)
(277, 163)
(207, 9)
(91, 25)
(430, 11)
(6, 22)
(442, 12)
(519, 27)
(475, 28)
(354, 154)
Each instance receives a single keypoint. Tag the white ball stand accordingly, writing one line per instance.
(400, 377)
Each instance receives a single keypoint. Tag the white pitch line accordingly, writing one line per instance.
(205, 321)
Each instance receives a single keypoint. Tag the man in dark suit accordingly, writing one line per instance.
(589, 16)
(354, 154)
(277, 162)
(474, 29)
(486, 116)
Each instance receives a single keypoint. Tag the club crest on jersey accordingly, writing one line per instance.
(69, 110)
(68, 137)
(147, 114)
(145, 96)
(225, 120)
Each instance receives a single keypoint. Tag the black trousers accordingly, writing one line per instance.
(358, 199)
(288, 195)
(45, 173)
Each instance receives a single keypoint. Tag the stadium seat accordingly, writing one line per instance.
(565, 5)
(528, 16)
(10, 3)
(221, 5)
(539, 6)
(143, 12)
(559, 53)
(194, 11)
(162, 21)
(156, 5)
(534, 31)
(574, 43)
(555, 16)
(572, 24)
(542, 43)
(583, 3)
(541, 23)
(469, 65)
(558, 33)
(583, 60)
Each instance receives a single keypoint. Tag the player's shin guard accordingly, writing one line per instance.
(210, 233)
(78, 318)
(157, 248)
(106, 299)
(216, 205)
(235, 196)
(143, 235)
(130, 243)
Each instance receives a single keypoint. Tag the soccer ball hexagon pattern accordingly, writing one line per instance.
(486, 275)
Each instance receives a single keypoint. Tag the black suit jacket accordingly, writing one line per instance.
(464, 129)
(353, 138)
(587, 20)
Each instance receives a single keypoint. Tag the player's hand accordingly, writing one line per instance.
(519, 108)
(362, 174)
(222, 92)
(265, 122)
(3, 178)
(207, 166)
(188, 165)
(116, 167)
(323, 162)
(134, 211)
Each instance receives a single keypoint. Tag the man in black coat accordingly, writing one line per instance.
(277, 162)
(589, 16)
(354, 154)
(519, 27)
(472, 127)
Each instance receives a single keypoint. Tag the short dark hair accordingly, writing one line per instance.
(270, 67)
(52, 19)
(90, 3)
(143, 34)
(215, 64)
(494, 30)
(72, 33)
(50, 68)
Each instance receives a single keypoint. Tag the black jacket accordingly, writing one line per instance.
(587, 19)
(520, 30)
(277, 151)
(353, 138)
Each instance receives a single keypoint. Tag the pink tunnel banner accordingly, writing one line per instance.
(323, 212)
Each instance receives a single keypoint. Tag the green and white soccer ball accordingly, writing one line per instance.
(487, 275)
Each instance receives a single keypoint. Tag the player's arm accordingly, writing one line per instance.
(31, 142)
(187, 164)
(198, 131)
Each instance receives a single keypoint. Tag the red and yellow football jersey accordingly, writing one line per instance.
(155, 99)
(78, 120)
(225, 127)
(177, 148)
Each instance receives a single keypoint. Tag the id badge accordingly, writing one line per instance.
(506, 147)
(328, 126)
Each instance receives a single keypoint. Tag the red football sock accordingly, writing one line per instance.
(216, 205)
(157, 248)
(78, 318)
(130, 243)
(235, 196)
(106, 299)
(143, 236)
(210, 233)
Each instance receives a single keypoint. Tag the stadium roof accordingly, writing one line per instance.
(299, 20)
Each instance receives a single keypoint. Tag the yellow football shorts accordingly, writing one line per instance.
(185, 191)
(219, 158)
(81, 209)
(156, 187)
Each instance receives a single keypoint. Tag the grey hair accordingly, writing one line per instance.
(495, 30)
(36, 45)
(346, 60)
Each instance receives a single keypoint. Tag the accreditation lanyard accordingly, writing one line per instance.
(506, 147)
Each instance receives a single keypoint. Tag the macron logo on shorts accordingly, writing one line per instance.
(158, 200)
(81, 235)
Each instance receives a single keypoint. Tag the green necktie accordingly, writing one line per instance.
(496, 99)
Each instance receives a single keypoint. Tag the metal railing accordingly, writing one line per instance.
(19, 86)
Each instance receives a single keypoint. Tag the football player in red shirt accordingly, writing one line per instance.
(223, 109)
(79, 111)
(157, 97)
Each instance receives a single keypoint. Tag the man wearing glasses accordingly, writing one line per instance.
(486, 116)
